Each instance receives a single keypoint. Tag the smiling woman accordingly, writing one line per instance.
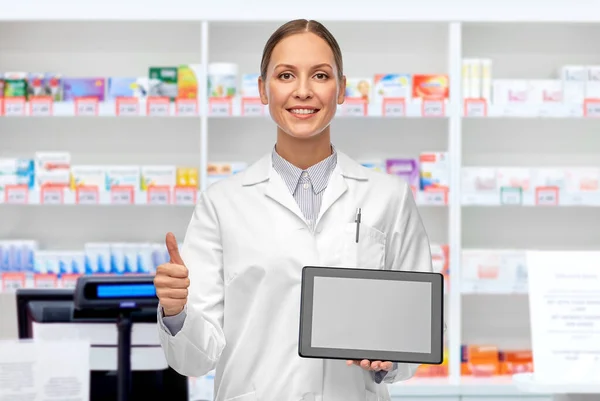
(231, 300)
(302, 82)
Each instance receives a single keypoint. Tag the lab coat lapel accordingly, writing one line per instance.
(335, 189)
(346, 169)
(275, 189)
(279, 192)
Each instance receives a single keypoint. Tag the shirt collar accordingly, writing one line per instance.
(319, 173)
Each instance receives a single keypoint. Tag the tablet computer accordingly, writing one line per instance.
(379, 315)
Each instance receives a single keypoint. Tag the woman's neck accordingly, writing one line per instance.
(304, 153)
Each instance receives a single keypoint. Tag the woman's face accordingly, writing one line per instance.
(301, 87)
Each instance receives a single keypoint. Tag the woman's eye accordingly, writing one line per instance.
(321, 76)
(285, 75)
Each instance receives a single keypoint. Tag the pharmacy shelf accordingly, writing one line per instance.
(480, 109)
(130, 197)
(497, 386)
(251, 107)
(217, 108)
(530, 135)
(118, 196)
(541, 197)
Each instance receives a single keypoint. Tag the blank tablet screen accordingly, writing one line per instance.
(391, 315)
(347, 314)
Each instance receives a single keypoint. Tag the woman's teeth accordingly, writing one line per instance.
(303, 111)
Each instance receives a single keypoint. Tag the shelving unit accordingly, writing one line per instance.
(524, 41)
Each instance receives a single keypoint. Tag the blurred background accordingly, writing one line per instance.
(113, 116)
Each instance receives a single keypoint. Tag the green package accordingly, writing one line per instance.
(166, 82)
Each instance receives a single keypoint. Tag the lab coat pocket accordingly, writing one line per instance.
(245, 397)
(368, 252)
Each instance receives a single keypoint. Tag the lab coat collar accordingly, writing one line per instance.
(262, 170)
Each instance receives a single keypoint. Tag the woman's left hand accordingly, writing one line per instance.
(371, 365)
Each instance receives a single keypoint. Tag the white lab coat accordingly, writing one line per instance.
(245, 248)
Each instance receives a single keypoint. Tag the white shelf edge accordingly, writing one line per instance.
(240, 10)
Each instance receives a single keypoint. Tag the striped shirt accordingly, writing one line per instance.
(307, 186)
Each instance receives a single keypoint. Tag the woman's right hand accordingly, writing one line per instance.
(171, 280)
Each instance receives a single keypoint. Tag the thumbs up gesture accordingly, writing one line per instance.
(171, 280)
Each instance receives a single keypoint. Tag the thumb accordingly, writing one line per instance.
(173, 249)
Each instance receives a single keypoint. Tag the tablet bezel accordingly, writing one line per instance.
(305, 350)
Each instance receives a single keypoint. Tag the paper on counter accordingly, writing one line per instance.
(44, 370)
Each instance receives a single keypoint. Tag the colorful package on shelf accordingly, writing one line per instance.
(45, 84)
(163, 82)
(52, 169)
(59, 262)
(430, 86)
(124, 87)
(123, 176)
(250, 85)
(88, 176)
(480, 360)
(187, 177)
(222, 79)
(15, 84)
(15, 171)
(74, 88)
(188, 78)
(359, 88)
(408, 169)
(516, 361)
(160, 176)
(434, 170)
(97, 258)
(375, 165)
(218, 171)
(392, 86)
(17, 255)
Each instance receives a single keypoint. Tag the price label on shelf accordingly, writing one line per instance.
(394, 107)
(128, 106)
(69, 280)
(159, 195)
(252, 107)
(475, 108)
(591, 108)
(511, 196)
(51, 196)
(546, 196)
(87, 195)
(185, 195)
(16, 194)
(433, 108)
(45, 281)
(13, 281)
(121, 195)
(187, 107)
(40, 106)
(158, 106)
(355, 107)
(435, 196)
(14, 106)
(220, 106)
(86, 106)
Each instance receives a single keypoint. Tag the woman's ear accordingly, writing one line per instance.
(342, 90)
(262, 89)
